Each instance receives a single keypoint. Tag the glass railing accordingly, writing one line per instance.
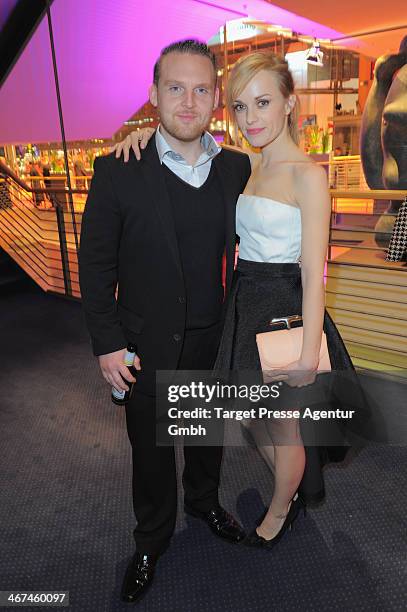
(366, 293)
(346, 174)
(39, 229)
(361, 227)
(40, 222)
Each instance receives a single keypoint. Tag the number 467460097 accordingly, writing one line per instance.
(30, 598)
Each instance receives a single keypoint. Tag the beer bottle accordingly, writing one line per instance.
(122, 397)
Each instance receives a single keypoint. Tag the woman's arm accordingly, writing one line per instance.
(315, 204)
(136, 140)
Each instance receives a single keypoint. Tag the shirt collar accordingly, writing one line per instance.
(209, 145)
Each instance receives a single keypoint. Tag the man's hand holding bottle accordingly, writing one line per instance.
(117, 368)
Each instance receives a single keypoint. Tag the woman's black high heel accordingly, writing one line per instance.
(301, 506)
(254, 539)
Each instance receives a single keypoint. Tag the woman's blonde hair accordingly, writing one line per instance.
(247, 67)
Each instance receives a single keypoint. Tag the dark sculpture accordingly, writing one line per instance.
(384, 132)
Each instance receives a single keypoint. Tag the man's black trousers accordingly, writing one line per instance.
(154, 470)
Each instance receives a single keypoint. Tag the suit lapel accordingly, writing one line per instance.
(151, 169)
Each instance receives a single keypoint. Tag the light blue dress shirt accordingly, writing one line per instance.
(195, 175)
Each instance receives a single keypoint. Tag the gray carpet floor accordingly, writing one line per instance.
(66, 513)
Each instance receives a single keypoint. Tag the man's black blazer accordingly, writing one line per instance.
(128, 238)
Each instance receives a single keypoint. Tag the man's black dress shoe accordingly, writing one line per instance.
(220, 522)
(139, 576)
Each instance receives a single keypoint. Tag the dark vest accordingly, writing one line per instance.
(199, 217)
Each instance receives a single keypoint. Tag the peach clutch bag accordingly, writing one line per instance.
(283, 345)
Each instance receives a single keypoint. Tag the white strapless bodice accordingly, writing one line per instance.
(269, 231)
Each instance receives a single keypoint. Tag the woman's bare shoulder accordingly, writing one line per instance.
(311, 187)
(307, 172)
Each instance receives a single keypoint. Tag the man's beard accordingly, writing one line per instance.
(185, 133)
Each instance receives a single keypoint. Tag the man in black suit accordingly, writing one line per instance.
(159, 228)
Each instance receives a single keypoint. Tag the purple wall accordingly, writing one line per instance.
(6, 6)
(105, 53)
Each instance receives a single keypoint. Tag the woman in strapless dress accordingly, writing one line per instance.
(282, 221)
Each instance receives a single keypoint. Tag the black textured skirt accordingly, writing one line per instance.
(260, 292)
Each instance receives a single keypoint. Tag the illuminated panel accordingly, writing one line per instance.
(352, 205)
(106, 52)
